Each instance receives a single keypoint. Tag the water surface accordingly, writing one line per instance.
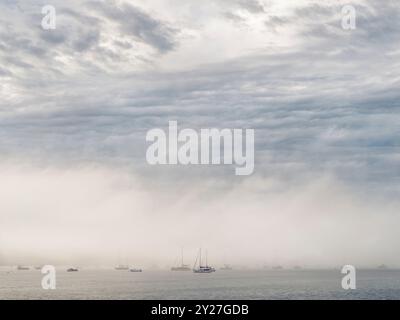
(263, 284)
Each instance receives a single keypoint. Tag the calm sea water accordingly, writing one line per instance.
(265, 284)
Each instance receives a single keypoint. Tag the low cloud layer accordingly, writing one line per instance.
(98, 216)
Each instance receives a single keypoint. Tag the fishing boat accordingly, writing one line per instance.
(135, 270)
(72, 270)
(202, 268)
(182, 266)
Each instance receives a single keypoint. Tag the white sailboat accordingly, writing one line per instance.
(182, 267)
(202, 269)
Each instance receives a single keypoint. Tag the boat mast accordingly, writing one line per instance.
(200, 258)
(195, 263)
(182, 256)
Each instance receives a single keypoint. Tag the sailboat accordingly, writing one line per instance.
(123, 264)
(201, 268)
(182, 267)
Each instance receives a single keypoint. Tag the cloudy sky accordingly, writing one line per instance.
(76, 103)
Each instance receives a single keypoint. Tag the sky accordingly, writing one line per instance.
(76, 103)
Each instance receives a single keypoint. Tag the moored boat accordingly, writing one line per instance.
(182, 266)
(202, 268)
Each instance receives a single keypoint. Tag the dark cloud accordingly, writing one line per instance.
(91, 36)
(4, 72)
(87, 39)
(137, 23)
(53, 37)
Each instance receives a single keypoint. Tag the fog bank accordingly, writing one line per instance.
(96, 215)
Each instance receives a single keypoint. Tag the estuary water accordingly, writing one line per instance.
(232, 284)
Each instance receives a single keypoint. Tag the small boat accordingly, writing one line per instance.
(23, 268)
(202, 269)
(72, 270)
(122, 267)
(135, 270)
(182, 266)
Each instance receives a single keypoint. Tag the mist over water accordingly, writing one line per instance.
(102, 216)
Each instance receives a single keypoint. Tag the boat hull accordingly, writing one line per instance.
(204, 270)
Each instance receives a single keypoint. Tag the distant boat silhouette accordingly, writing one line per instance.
(182, 267)
(122, 267)
(383, 267)
(135, 270)
(201, 268)
(277, 268)
(72, 270)
(23, 268)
